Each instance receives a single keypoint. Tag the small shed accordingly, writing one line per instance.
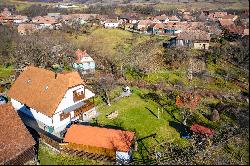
(101, 141)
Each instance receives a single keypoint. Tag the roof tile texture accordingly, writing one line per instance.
(14, 136)
(100, 137)
(42, 89)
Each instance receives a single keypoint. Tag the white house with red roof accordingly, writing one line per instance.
(50, 101)
(84, 62)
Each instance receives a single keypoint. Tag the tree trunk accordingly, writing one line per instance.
(107, 98)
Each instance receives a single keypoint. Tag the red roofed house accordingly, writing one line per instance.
(84, 62)
(173, 19)
(20, 19)
(46, 22)
(225, 23)
(103, 141)
(5, 12)
(24, 29)
(162, 18)
(230, 17)
(216, 15)
(195, 128)
(143, 25)
(158, 28)
(51, 101)
(16, 143)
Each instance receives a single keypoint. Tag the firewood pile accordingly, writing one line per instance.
(112, 115)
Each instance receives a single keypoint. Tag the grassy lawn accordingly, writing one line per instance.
(232, 4)
(48, 157)
(5, 72)
(140, 115)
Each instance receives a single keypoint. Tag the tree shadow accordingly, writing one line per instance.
(151, 112)
(179, 127)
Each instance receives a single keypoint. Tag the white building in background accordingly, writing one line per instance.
(111, 24)
(51, 101)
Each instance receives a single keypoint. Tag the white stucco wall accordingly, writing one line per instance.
(66, 105)
(201, 45)
(111, 25)
(68, 101)
(123, 155)
(32, 113)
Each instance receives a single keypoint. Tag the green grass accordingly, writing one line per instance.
(134, 114)
(5, 72)
(47, 157)
(199, 5)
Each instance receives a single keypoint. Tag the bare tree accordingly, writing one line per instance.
(104, 85)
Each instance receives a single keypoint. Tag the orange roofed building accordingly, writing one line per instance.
(52, 101)
(101, 141)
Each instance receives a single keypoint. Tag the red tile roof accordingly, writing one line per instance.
(231, 17)
(100, 137)
(225, 23)
(171, 18)
(14, 136)
(41, 89)
(80, 54)
(159, 26)
(26, 27)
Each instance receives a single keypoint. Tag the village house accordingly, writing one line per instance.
(50, 101)
(225, 23)
(173, 19)
(24, 29)
(111, 23)
(143, 25)
(229, 17)
(162, 18)
(54, 15)
(101, 141)
(84, 62)
(175, 28)
(46, 22)
(196, 39)
(130, 18)
(215, 16)
(157, 28)
(5, 12)
(17, 145)
(18, 19)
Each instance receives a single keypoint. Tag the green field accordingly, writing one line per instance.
(141, 115)
(5, 72)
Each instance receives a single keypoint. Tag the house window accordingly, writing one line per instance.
(78, 95)
(64, 116)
